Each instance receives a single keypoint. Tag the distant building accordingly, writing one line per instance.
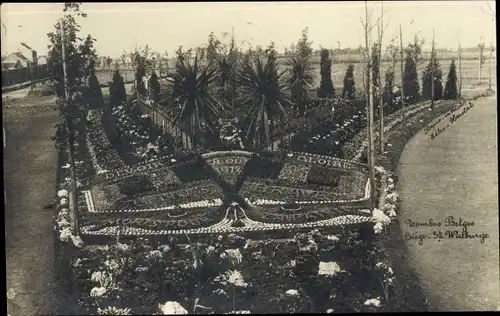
(15, 60)
(42, 60)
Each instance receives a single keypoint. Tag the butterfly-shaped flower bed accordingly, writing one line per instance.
(223, 192)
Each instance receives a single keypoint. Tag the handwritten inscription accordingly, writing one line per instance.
(453, 228)
(448, 118)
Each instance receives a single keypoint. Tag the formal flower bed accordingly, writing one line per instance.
(203, 214)
(104, 154)
(138, 132)
(309, 273)
(352, 189)
(109, 198)
(296, 212)
(327, 135)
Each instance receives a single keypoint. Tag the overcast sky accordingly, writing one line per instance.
(165, 26)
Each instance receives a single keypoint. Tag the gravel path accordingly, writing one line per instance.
(454, 174)
(29, 175)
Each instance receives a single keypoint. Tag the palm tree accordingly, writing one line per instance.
(263, 95)
(300, 78)
(199, 107)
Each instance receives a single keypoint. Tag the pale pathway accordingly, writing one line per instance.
(455, 175)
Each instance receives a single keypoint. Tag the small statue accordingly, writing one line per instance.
(230, 134)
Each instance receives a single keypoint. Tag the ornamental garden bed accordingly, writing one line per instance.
(346, 271)
(148, 198)
(309, 273)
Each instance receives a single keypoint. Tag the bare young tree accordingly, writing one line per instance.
(380, 29)
(369, 105)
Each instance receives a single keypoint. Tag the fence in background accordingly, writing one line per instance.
(11, 77)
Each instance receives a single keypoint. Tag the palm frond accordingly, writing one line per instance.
(198, 106)
(263, 95)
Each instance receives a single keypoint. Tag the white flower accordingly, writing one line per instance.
(65, 234)
(64, 202)
(63, 223)
(64, 212)
(98, 276)
(98, 291)
(292, 293)
(220, 292)
(173, 308)
(173, 160)
(235, 278)
(380, 169)
(210, 249)
(77, 241)
(154, 254)
(378, 228)
(373, 302)
(393, 197)
(62, 193)
(111, 310)
(332, 238)
(77, 263)
(164, 248)
(111, 264)
(329, 311)
(234, 255)
(122, 247)
(379, 217)
(328, 268)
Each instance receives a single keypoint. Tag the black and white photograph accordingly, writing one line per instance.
(169, 158)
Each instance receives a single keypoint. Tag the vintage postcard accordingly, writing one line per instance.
(250, 157)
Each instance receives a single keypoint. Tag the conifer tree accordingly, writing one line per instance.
(389, 86)
(349, 84)
(451, 91)
(411, 86)
(154, 86)
(326, 89)
(117, 92)
(94, 97)
(427, 80)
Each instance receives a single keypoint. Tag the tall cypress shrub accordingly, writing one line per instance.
(326, 89)
(94, 96)
(427, 79)
(154, 86)
(411, 86)
(349, 84)
(117, 92)
(451, 91)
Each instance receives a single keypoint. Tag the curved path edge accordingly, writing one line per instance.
(454, 174)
